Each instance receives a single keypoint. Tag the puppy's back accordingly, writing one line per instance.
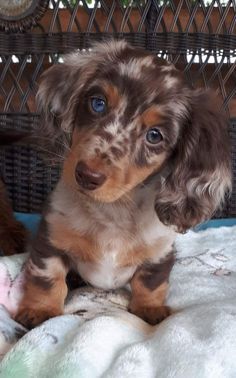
(10, 137)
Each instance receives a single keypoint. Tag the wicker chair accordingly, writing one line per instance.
(197, 35)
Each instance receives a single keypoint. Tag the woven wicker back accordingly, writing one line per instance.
(199, 36)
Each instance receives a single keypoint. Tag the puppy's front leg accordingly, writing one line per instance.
(45, 286)
(45, 291)
(149, 288)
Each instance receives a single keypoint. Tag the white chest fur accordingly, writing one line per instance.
(118, 230)
(105, 274)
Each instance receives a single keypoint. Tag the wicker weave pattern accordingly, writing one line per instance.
(200, 39)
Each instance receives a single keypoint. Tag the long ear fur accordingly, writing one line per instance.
(200, 172)
(56, 98)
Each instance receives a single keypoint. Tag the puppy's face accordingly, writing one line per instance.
(127, 114)
(125, 124)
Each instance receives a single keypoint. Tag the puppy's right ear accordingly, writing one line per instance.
(54, 103)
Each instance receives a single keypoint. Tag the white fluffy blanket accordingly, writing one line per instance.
(99, 338)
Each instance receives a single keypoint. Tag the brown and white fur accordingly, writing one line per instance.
(121, 199)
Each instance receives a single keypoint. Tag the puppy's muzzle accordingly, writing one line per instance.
(87, 178)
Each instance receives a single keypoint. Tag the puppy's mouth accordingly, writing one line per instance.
(100, 185)
(87, 178)
(92, 184)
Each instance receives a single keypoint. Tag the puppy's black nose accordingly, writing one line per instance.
(87, 178)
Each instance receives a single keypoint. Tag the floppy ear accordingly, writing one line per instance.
(200, 172)
(54, 103)
(57, 97)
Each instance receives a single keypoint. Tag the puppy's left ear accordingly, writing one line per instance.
(200, 171)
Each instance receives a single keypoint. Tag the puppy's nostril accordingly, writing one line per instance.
(87, 178)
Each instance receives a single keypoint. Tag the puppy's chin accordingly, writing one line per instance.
(106, 197)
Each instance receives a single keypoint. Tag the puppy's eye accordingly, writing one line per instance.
(154, 136)
(98, 104)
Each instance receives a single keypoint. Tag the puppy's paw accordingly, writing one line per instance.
(151, 314)
(31, 317)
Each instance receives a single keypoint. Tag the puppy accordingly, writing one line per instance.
(144, 157)
(12, 233)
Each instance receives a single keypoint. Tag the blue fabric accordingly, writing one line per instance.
(215, 223)
(31, 221)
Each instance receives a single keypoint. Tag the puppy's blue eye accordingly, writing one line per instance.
(98, 104)
(154, 136)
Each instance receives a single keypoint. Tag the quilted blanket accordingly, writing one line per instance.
(97, 337)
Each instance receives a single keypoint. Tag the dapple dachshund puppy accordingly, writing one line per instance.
(13, 235)
(145, 157)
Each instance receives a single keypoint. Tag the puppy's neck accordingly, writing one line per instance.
(130, 200)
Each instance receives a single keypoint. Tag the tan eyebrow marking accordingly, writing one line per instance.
(151, 117)
(112, 94)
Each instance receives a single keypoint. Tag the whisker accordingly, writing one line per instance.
(61, 157)
(60, 142)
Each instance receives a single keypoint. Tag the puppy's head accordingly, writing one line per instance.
(128, 115)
